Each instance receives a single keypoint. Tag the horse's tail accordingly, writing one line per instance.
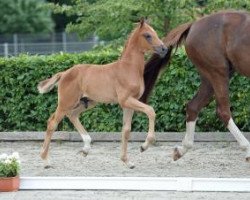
(48, 84)
(153, 67)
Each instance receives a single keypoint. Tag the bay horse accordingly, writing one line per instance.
(218, 45)
(84, 85)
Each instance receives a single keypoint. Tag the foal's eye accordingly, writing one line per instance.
(147, 36)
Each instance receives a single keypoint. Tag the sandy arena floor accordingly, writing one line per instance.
(205, 160)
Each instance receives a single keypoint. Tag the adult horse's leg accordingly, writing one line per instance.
(53, 121)
(200, 100)
(220, 85)
(127, 120)
(135, 104)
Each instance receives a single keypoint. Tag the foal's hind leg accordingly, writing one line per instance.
(74, 118)
(127, 120)
(200, 100)
(53, 121)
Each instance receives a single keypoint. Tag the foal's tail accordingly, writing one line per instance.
(48, 84)
(153, 67)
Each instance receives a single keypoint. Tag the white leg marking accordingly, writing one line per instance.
(87, 141)
(244, 143)
(188, 140)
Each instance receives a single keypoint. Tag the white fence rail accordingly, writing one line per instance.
(11, 45)
(136, 183)
(7, 49)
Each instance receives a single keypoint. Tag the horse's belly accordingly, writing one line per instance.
(101, 94)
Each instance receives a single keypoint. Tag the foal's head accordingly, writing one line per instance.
(148, 39)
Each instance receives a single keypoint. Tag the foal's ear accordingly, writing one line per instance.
(143, 21)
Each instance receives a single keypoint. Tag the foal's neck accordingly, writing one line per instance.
(132, 54)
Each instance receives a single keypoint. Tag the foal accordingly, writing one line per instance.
(83, 85)
(218, 45)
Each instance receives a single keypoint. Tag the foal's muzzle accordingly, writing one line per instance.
(161, 50)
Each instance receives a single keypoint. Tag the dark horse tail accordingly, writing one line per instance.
(156, 63)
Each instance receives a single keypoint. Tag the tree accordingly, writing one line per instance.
(24, 16)
(210, 6)
(113, 19)
(60, 19)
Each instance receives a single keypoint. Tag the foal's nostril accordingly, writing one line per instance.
(161, 50)
(164, 49)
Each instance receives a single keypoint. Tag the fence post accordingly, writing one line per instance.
(95, 39)
(64, 40)
(6, 50)
(15, 41)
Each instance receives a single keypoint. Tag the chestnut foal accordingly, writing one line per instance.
(84, 85)
(218, 45)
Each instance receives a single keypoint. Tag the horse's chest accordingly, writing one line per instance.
(142, 88)
(139, 89)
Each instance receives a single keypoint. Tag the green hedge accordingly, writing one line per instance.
(23, 108)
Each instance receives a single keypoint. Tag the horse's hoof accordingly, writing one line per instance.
(176, 154)
(142, 149)
(48, 167)
(248, 159)
(130, 165)
(83, 153)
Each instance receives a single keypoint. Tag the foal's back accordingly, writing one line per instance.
(221, 38)
(95, 81)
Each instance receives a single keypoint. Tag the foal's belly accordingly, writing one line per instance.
(103, 92)
(101, 97)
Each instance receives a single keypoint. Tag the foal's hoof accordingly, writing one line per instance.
(130, 165)
(48, 167)
(142, 149)
(248, 159)
(83, 153)
(176, 154)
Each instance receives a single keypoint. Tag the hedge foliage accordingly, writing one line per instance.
(23, 108)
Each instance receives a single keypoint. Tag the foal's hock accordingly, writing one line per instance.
(84, 85)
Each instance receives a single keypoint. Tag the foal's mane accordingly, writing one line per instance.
(129, 38)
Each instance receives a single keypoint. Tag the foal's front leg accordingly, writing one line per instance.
(127, 120)
(135, 104)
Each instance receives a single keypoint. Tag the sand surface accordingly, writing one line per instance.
(214, 159)
(204, 160)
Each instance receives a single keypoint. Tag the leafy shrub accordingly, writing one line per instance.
(23, 108)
